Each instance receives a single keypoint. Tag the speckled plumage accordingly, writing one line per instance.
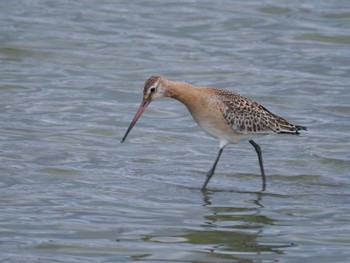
(223, 114)
(246, 116)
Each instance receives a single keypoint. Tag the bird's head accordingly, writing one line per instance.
(154, 88)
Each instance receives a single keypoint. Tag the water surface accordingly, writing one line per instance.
(71, 79)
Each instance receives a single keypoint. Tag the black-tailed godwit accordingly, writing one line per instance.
(223, 114)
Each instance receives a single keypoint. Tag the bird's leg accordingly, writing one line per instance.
(210, 173)
(258, 151)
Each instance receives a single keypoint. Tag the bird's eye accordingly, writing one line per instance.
(152, 89)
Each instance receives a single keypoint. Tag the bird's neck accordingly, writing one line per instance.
(183, 92)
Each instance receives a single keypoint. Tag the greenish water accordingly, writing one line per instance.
(71, 79)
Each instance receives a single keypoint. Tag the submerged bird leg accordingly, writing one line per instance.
(258, 151)
(210, 173)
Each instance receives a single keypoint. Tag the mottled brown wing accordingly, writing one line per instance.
(246, 116)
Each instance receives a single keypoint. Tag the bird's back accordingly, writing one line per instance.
(246, 116)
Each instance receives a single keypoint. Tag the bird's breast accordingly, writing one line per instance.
(210, 119)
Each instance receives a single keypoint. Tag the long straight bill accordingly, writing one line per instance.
(138, 114)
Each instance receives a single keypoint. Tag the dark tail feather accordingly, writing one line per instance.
(299, 127)
(295, 131)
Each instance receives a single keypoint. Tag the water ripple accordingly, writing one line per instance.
(71, 80)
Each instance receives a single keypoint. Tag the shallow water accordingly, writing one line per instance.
(71, 80)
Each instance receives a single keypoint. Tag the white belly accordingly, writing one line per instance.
(221, 131)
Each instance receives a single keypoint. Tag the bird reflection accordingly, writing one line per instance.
(230, 231)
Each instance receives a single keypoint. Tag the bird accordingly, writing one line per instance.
(223, 114)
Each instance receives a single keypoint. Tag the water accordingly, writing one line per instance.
(71, 80)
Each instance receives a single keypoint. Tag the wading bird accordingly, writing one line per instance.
(223, 114)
